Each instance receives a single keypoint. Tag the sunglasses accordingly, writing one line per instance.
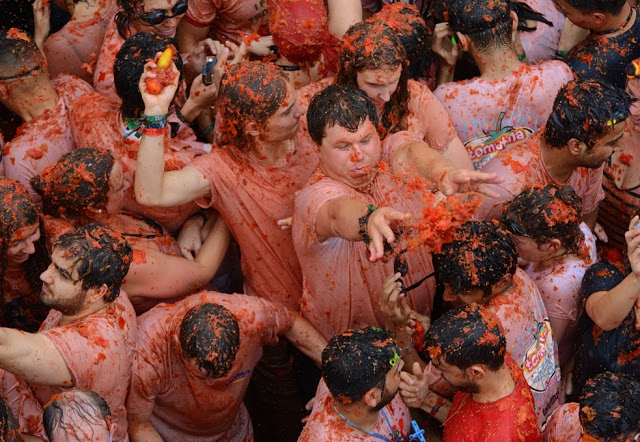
(157, 17)
(513, 227)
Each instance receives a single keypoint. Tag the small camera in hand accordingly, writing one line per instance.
(207, 70)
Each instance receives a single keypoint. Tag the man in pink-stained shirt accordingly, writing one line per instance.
(88, 339)
(357, 398)
(42, 104)
(194, 361)
(582, 132)
(350, 203)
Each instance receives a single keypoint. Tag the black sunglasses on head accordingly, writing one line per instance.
(157, 17)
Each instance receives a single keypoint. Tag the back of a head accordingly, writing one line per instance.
(18, 209)
(210, 334)
(546, 213)
(129, 66)
(585, 110)
(479, 256)
(77, 181)
(467, 336)
(487, 24)
(251, 91)
(344, 105)
(101, 255)
(356, 361)
(587, 6)
(299, 29)
(77, 414)
(610, 407)
(406, 21)
(19, 54)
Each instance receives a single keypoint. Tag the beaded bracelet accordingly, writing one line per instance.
(363, 221)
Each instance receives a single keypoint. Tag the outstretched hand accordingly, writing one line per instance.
(414, 388)
(379, 230)
(456, 180)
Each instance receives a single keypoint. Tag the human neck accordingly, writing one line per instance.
(95, 307)
(85, 10)
(616, 24)
(358, 413)
(557, 258)
(31, 106)
(495, 385)
(272, 153)
(558, 163)
(497, 64)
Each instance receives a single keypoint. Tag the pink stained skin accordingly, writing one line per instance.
(21, 244)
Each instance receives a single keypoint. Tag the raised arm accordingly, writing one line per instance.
(33, 358)
(340, 217)
(608, 309)
(433, 166)
(160, 276)
(154, 187)
(306, 339)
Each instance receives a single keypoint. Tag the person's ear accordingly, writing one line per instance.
(514, 25)
(476, 372)
(95, 294)
(576, 147)
(502, 285)
(598, 17)
(372, 396)
(252, 128)
(553, 245)
(464, 41)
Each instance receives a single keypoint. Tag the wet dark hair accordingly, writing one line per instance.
(129, 10)
(18, 53)
(480, 255)
(129, 67)
(9, 428)
(546, 213)
(19, 211)
(209, 333)
(415, 36)
(77, 181)
(585, 110)
(488, 24)
(251, 91)
(466, 336)
(102, 256)
(600, 277)
(344, 105)
(374, 45)
(69, 409)
(610, 406)
(586, 6)
(356, 361)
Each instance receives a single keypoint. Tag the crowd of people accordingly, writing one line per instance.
(319, 220)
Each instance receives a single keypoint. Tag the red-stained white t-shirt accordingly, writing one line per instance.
(325, 425)
(542, 44)
(40, 142)
(98, 350)
(252, 197)
(229, 19)
(564, 425)
(522, 166)
(187, 407)
(560, 289)
(491, 116)
(74, 49)
(341, 286)
(96, 122)
(26, 410)
(103, 73)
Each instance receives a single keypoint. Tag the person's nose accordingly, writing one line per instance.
(385, 95)
(46, 275)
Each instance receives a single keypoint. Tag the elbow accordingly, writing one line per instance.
(147, 199)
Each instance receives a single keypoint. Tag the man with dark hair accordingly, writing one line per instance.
(480, 265)
(88, 339)
(608, 409)
(78, 415)
(98, 120)
(612, 42)
(582, 132)
(194, 361)
(493, 401)
(510, 99)
(42, 104)
(357, 397)
(340, 226)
